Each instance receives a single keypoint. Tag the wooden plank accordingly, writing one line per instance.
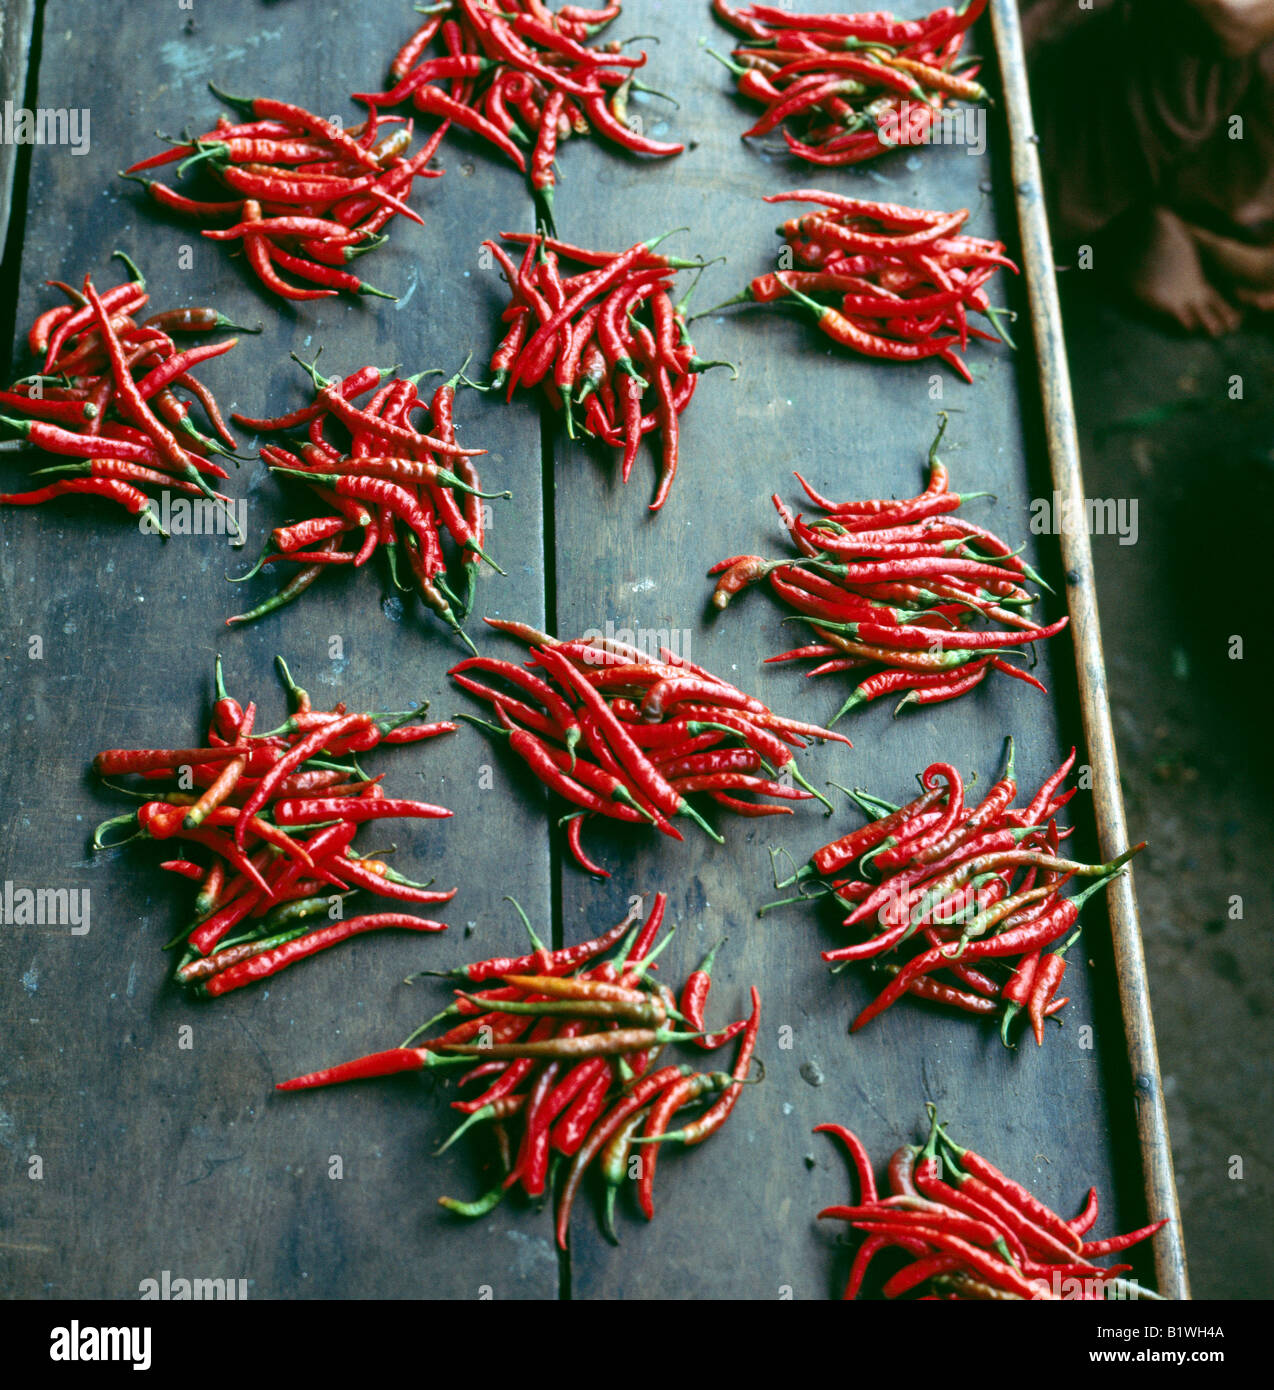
(17, 26)
(161, 1158)
(735, 1218)
(1172, 1279)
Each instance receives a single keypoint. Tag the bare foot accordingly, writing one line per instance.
(1168, 277)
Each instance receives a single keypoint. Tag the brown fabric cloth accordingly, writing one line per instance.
(1134, 102)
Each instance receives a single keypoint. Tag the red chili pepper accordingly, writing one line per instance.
(269, 963)
(1044, 986)
(694, 998)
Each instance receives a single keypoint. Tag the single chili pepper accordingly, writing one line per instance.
(646, 1013)
(291, 591)
(612, 1044)
(614, 1164)
(114, 761)
(937, 992)
(859, 1156)
(858, 1271)
(112, 489)
(435, 102)
(561, 988)
(694, 998)
(307, 811)
(409, 54)
(1087, 1218)
(58, 412)
(1114, 1243)
(390, 1063)
(370, 875)
(481, 1206)
(1017, 992)
(45, 323)
(253, 228)
(271, 962)
(185, 868)
(1047, 978)
(226, 781)
(580, 1114)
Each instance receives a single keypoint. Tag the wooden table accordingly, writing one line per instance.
(162, 1143)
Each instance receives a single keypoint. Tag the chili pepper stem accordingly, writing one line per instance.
(687, 809)
(131, 266)
(995, 315)
(743, 297)
(798, 869)
(478, 1116)
(480, 1206)
(799, 778)
(536, 943)
(130, 816)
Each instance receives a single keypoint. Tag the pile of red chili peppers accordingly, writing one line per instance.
(382, 476)
(971, 1232)
(519, 70)
(896, 585)
(942, 876)
(586, 338)
(853, 85)
(305, 196)
(106, 397)
(566, 1045)
(898, 282)
(276, 814)
(617, 734)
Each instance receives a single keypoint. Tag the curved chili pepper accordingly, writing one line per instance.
(268, 963)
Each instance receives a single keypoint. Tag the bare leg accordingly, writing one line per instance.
(1168, 277)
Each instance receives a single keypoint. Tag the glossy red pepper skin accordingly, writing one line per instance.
(269, 963)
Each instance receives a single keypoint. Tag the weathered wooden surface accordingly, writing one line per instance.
(734, 1216)
(17, 21)
(158, 1158)
(97, 1084)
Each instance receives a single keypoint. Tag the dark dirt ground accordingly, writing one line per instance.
(1192, 722)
